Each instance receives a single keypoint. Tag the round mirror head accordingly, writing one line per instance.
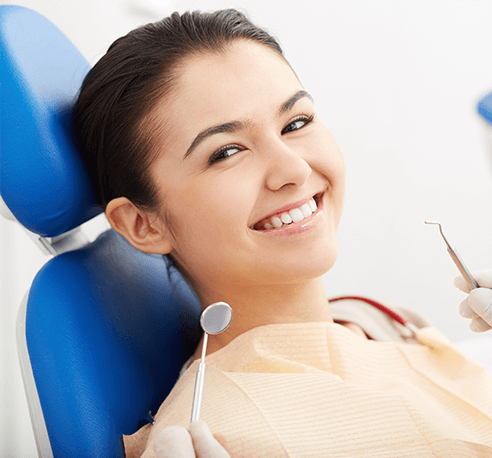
(216, 318)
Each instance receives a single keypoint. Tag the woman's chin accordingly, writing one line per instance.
(308, 268)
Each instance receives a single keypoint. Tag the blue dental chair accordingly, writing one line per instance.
(104, 329)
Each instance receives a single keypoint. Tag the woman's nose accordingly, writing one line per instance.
(286, 167)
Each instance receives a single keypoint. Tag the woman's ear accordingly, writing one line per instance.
(145, 231)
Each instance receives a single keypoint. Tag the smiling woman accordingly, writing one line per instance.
(204, 146)
(265, 160)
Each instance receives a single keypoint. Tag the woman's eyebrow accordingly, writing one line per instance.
(237, 125)
(286, 106)
(226, 127)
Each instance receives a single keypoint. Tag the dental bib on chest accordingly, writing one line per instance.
(318, 389)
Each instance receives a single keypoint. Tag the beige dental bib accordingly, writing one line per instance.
(320, 390)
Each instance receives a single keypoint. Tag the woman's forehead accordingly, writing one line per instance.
(245, 78)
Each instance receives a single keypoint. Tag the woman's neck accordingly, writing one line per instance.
(271, 304)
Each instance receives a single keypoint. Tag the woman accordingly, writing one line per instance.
(203, 145)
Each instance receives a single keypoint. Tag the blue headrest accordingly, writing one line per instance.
(43, 180)
(484, 107)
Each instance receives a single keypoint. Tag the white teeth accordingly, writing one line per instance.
(296, 215)
(306, 210)
(293, 216)
(285, 218)
(276, 222)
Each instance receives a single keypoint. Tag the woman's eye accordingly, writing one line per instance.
(297, 123)
(224, 152)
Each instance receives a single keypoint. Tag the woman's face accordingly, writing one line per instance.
(244, 151)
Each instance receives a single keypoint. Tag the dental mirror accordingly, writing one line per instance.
(215, 319)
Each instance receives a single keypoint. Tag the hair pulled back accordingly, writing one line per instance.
(116, 135)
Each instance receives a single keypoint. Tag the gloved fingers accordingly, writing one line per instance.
(482, 277)
(460, 283)
(477, 324)
(466, 311)
(174, 442)
(480, 301)
(206, 446)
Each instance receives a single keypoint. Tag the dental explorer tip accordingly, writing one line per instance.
(440, 230)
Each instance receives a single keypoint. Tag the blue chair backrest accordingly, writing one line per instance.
(107, 327)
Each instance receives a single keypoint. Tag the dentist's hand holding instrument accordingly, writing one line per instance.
(478, 304)
(195, 442)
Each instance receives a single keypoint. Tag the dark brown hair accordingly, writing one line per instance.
(115, 134)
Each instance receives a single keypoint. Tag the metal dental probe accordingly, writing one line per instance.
(457, 260)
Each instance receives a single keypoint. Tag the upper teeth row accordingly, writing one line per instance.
(293, 216)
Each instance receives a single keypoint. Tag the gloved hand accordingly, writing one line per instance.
(195, 442)
(478, 304)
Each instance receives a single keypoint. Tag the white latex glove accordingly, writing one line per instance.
(195, 442)
(478, 304)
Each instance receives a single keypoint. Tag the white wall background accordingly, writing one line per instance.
(397, 84)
